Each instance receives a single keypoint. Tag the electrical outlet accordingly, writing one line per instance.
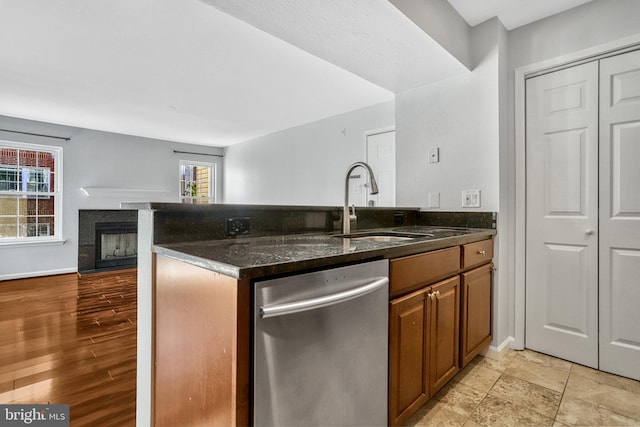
(237, 226)
(399, 219)
(470, 198)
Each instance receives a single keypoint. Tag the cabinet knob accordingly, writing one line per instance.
(588, 232)
(482, 252)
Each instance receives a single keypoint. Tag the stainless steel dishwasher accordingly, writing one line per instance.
(320, 348)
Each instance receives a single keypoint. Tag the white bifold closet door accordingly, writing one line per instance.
(620, 215)
(583, 214)
(562, 214)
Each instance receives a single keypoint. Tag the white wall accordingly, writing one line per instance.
(460, 116)
(93, 159)
(465, 117)
(304, 165)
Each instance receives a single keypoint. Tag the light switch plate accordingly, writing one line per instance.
(470, 198)
(433, 200)
(434, 155)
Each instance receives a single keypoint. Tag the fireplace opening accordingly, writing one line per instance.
(116, 244)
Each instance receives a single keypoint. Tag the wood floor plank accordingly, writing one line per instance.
(71, 339)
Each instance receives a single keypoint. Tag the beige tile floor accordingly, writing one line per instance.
(525, 388)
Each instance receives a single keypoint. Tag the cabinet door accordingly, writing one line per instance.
(444, 315)
(476, 312)
(408, 361)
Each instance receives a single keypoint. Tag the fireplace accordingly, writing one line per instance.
(116, 244)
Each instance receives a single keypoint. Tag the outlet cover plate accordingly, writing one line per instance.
(237, 226)
(470, 198)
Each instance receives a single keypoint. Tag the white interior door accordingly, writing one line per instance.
(620, 215)
(562, 214)
(381, 156)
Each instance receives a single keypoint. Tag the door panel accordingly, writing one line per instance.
(566, 266)
(562, 212)
(625, 171)
(620, 214)
(564, 171)
(381, 156)
(624, 297)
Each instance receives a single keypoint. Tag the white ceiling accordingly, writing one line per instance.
(182, 70)
(372, 39)
(512, 13)
(169, 69)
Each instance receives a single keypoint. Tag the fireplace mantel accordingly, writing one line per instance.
(121, 192)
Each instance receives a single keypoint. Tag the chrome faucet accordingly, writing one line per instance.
(346, 216)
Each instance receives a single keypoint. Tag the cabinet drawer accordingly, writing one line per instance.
(477, 253)
(418, 270)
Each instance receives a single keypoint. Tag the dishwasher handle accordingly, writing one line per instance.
(323, 301)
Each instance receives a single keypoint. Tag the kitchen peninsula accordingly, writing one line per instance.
(198, 270)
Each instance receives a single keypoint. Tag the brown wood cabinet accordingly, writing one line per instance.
(439, 319)
(441, 325)
(408, 359)
(444, 333)
(202, 357)
(477, 253)
(415, 271)
(423, 346)
(476, 313)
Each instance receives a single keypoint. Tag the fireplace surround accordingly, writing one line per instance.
(107, 240)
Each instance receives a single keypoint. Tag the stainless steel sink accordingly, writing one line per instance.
(406, 233)
(382, 236)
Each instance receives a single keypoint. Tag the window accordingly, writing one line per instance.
(197, 182)
(30, 199)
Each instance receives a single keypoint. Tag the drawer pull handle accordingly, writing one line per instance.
(482, 252)
(322, 301)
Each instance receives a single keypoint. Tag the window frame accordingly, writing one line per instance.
(211, 198)
(57, 194)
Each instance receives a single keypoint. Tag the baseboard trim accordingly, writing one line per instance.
(37, 274)
(497, 352)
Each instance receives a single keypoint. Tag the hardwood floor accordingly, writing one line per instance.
(71, 340)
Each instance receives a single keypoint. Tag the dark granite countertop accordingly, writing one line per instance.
(250, 258)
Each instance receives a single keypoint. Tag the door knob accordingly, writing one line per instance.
(588, 232)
